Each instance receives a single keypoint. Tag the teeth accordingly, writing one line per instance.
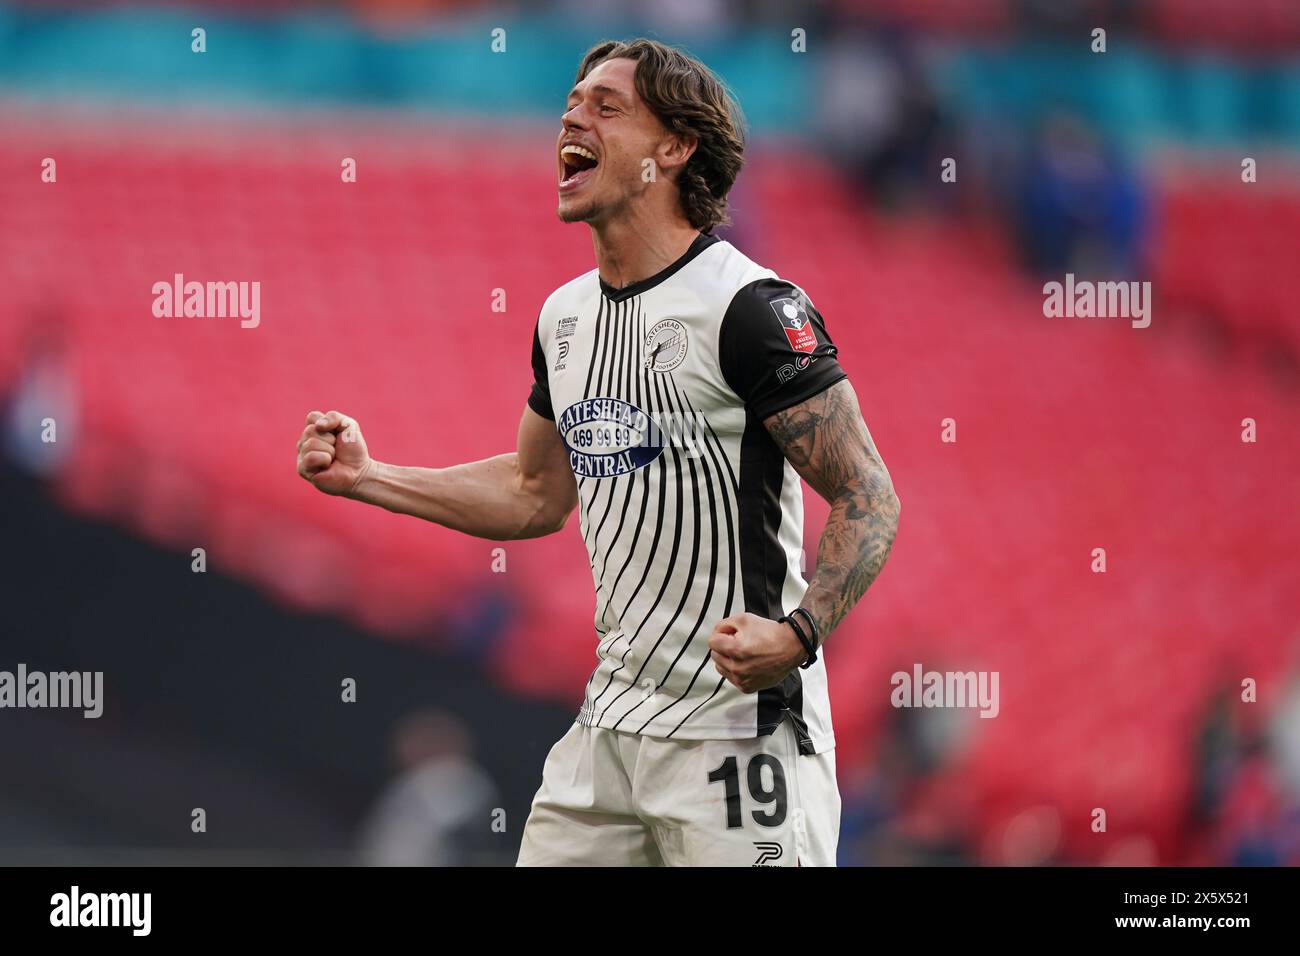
(580, 151)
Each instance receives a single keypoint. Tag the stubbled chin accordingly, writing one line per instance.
(574, 212)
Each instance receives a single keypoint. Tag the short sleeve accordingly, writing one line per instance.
(539, 399)
(773, 348)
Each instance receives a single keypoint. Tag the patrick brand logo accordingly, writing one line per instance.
(76, 908)
(208, 300)
(58, 689)
(768, 854)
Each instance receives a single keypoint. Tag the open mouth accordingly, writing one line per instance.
(578, 165)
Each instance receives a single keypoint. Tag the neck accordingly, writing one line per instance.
(628, 251)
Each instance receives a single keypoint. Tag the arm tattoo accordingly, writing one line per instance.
(828, 443)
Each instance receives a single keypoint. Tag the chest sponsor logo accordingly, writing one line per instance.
(608, 437)
(665, 345)
(796, 323)
(566, 326)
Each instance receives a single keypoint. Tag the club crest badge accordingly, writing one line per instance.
(665, 346)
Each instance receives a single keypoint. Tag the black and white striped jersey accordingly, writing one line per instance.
(689, 510)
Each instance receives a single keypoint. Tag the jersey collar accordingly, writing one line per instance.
(702, 242)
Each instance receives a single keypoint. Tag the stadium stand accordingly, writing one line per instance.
(377, 298)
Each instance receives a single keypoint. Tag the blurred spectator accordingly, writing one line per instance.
(438, 810)
(44, 399)
(1250, 820)
(1218, 747)
(1245, 798)
(1284, 735)
(1080, 206)
(876, 112)
(901, 810)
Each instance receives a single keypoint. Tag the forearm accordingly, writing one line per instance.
(854, 546)
(755, 653)
(828, 443)
(486, 499)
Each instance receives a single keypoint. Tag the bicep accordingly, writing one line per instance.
(827, 442)
(544, 461)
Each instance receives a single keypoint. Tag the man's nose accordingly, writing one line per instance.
(574, 119)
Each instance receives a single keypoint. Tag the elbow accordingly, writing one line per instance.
(887, 511)
(872, 501)
(881, 497)
(545, 519)
(554, 522)
(555, 508)
(883, 507)
(542, 507)
(891, 505)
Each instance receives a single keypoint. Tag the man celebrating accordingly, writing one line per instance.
(680, 391)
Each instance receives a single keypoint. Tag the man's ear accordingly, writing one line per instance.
(675, 150)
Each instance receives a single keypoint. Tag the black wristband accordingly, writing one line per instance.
(812, 626)
(803, 639)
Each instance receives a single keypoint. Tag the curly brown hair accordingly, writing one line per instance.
(690, 100)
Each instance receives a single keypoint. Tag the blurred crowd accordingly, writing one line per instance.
(1074, 197)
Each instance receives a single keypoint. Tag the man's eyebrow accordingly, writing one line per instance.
(603, 90)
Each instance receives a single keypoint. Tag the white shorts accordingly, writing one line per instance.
(616, 799)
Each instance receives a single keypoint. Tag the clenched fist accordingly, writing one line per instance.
(332, 454)
(753, 652)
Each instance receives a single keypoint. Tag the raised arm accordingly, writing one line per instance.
(526, 493)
